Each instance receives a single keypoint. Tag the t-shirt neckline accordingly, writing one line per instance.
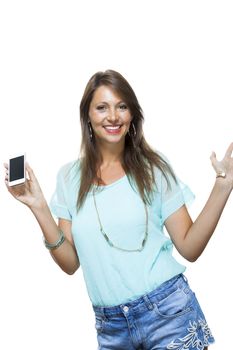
(113, 183)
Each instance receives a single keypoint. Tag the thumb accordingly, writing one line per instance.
(213, 157)
(30, 172)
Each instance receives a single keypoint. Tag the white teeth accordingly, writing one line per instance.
(112, 127)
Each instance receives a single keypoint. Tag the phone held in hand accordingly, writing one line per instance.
(16, 169)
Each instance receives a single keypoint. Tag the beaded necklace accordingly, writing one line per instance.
(108, 239)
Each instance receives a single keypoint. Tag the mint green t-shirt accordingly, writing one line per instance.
(112, 276)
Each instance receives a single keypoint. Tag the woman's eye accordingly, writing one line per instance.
(123, 107)
(100, 108)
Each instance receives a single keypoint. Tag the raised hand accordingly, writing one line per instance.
(29, 193)
(225, 165)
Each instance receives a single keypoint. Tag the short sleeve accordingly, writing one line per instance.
(59, 203)
(175, 197)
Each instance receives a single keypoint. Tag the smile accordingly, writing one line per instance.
(112, 129)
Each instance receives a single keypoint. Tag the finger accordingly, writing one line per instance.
(213, 157)
(214, 161)
(30, 172)
(6, 165)
(32, 176)
(6, 183)
(229, 150)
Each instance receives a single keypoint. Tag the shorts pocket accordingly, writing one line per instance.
(175, 304)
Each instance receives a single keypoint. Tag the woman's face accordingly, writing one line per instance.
(109, 115)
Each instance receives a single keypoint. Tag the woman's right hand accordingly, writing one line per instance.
(29, 193)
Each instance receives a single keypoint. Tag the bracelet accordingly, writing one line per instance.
(52, 246)
(221, 174)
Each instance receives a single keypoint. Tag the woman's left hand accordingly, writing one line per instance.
(225, 165)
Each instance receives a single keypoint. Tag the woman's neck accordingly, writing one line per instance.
(111, 156)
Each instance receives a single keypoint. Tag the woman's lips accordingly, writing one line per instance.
(113, 130)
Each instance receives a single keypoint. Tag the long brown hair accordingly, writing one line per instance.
(139, 158)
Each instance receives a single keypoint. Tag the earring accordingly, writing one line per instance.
(90, 130)
(134, 130)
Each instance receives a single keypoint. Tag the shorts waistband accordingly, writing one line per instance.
(118, 309)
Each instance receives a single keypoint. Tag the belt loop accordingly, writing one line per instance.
(100, 311)
(104, 313)
(148, 303)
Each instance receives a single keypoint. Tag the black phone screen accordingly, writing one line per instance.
(16, 168)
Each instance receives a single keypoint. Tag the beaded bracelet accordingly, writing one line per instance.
(52, 246)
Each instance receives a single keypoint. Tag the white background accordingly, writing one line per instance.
(177, 55)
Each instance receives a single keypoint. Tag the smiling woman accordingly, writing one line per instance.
(113, 141)
(112, 204)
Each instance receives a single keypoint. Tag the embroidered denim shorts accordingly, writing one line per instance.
(168, 317)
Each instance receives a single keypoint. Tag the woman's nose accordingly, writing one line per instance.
(113, 116)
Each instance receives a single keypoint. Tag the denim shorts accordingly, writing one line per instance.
(168, 317)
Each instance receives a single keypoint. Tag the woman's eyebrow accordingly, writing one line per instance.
(106, 102)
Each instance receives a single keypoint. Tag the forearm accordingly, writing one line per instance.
(65, 255)
(203, 227)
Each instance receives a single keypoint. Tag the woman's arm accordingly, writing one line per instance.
(65, 255)
(31, 195)
(191, 238)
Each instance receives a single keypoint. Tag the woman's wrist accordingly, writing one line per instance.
(224, 184)
(39, 205)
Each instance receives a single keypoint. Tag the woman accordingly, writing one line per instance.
(112, 204)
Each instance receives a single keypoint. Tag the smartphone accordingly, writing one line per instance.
(16, 169)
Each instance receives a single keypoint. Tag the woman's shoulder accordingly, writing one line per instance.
(70, 169)
(163, 163)
(162, 156)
